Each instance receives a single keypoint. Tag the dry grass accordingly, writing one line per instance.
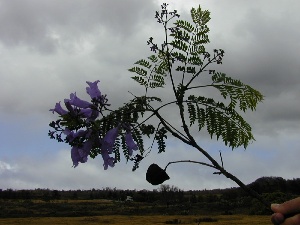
(139, 220)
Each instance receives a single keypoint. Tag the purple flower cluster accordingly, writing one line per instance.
(86, 109)
(108, 144)
(79, 108)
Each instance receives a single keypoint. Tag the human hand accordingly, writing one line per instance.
(287, 213)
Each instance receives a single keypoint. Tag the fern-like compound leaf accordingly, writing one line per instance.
(160, 137)
(220, 120)
(239, 93)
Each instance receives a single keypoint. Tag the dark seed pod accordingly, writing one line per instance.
(156, 175)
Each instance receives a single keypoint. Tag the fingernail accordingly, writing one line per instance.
(274, 206)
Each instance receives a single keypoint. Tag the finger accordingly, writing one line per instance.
(277, 218)
(289, 207)
(295, 220)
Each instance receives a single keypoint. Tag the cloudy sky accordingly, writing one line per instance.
(48, 49)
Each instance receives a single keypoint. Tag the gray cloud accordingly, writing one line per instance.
(260, 42)
(50, 48)
(37, 23)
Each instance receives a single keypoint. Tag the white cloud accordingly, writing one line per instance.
(7, 168)
(54, 169)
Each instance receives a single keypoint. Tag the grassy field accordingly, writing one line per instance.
(143, 220)
(108, 212)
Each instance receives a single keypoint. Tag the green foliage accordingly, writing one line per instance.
(220, 120)
(137, 136)
(150, 73)
(130, 113)
(186, 48)
(185, 25)
(117, 145)
(147, 129)
(247, 97)
(124, 148)
(199, 16)
(159, 137)
(189, 38)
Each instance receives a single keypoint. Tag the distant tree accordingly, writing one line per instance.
(169, 194)
(25, 194)
(211, 198)
(75, 195)
(46, 196)
(293, 186)
(8, 194)
(56, 194)
(193, 198)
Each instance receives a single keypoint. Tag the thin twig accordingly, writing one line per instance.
(190, 161)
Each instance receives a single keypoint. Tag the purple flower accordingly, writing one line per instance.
(109, 140)
(107, 147)
(80, 154)
(108, 160)
(86, 113)
(93, 89)
(75, 156)
(71, 135)
(90, 114)
(69, 107)
(74, 100)
(130, 143)
(58, 109)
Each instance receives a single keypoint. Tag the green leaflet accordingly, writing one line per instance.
(137, 136)
(153, 58)
(160, 137)
(147, 129)
(185, 25)
(180, 45)
(145, 63)
(140, 80)
(196, 50)
(199, 16)
(139, 71)
(182, 35)
(195, 60)
(117, 145)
